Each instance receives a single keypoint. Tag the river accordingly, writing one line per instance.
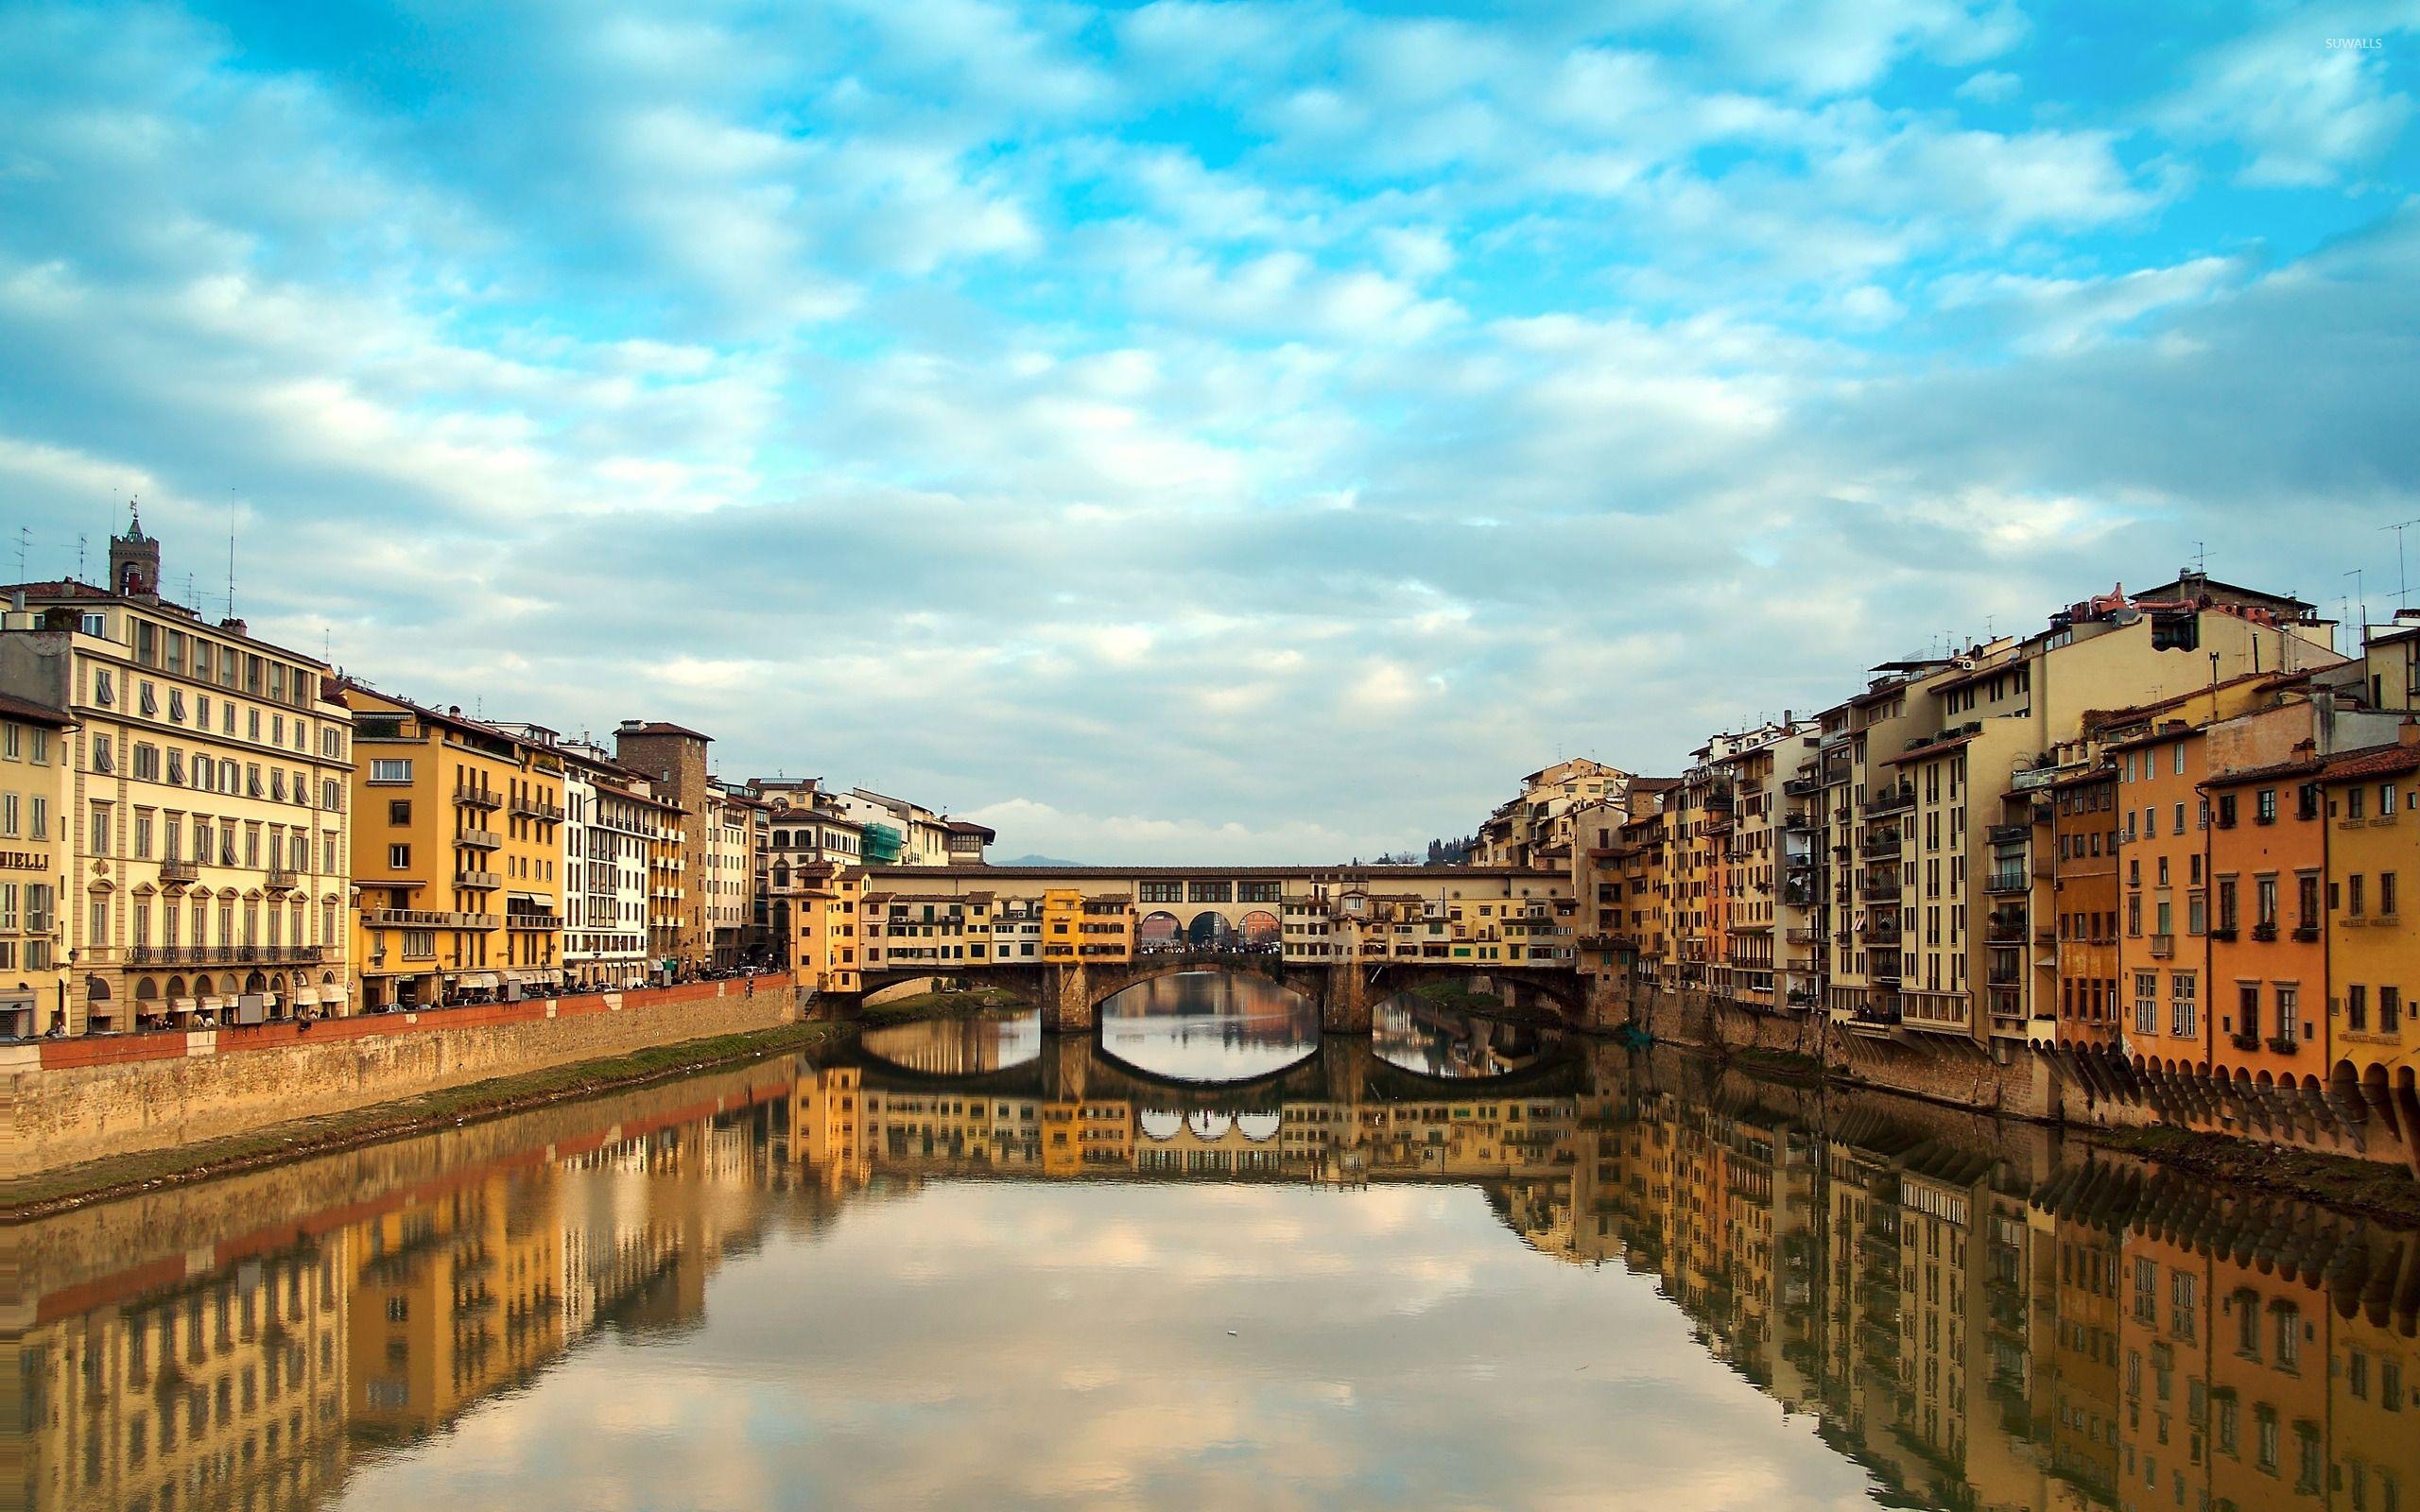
(1209, 1259)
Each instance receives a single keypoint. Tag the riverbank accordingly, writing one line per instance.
(60, 1190)
(2382, 1193)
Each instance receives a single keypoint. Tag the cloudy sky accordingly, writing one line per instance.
(1201, 431)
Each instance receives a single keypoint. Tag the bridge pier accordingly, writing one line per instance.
(1067, 1003)
(1344, 1000)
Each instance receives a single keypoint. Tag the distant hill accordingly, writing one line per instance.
(1036, 861)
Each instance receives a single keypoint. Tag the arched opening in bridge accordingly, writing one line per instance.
(972, 1046)
(1159, 933)
(1259, 932)
(1460, 1029)
(1208, 1026)
(1210, 930)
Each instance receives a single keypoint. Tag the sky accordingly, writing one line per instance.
(1202, 432)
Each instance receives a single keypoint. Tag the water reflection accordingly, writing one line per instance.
(1209, 1026)
(1602, 1279)
(1418, 1035)
(959, 1047)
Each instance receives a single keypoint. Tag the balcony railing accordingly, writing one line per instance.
(482, 880)
(1880, 890)
(2004, 880)
(477, 798)
(526, 919)
(1890, 800)
(1884, 969)
(425, 919)
(2005, 929)
(529, 808)
(1881, 844)
(283, 879)
(479, 839)
(254, 955)
(2009, 833)
(2163, 947)
(1799, 823)
(1800, 786)
(178, 873)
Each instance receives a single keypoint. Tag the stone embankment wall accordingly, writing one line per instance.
(2094, 1089)
(70, 1101)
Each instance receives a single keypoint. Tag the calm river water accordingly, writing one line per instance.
(1211, 1260)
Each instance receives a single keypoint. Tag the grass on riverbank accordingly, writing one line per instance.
(1785, 1064)
(2375, 1189)
(943, 1006)
(100, 1181)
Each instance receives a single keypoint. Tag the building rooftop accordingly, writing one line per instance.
(12, 706)
(658, 727)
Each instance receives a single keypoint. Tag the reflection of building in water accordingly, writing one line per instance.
(453, 1299)
(223, 1390)
(1087, 1137)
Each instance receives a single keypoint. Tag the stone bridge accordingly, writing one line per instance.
(1070, 993)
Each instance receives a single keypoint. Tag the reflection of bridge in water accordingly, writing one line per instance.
(1804, 1232)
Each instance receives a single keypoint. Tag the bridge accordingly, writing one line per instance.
(1068, 939)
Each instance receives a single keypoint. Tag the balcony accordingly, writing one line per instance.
(1799, 823)
(2009, 833)
(1880, 845)
(1893, 800)
(482, 881)
(529, 808)
(531, 920)
(180, 873)
(2163, 947)
(479, 839)
(2003, 881)
(1803, 936)
(1885, 968)
(2005, 929)
(283, 879)
(477, 798)
(252, 954)
(1800, 787)
(1882, 929)
(424, 919)
(1879, 891)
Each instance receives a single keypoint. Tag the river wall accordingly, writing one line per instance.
(70, 1101)
(2059, 1085)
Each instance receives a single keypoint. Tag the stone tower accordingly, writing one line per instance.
(134, 560)
(674, 759)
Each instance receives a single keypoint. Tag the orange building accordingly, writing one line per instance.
(2163, 941)
(2269, 961)
(2085, 904)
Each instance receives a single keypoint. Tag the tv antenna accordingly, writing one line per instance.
(2402, 582)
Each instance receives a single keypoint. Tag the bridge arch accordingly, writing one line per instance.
(1210, 930)
(1159, 932)
(1259, 931)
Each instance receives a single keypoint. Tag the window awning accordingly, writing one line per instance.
(477, 979)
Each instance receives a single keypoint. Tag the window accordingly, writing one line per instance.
(2390, 1009)
(2145, 1003)
(100, 834)
(2265, 901)
(2356, 1007)
(2183, 1019)
(399, 858)
(2386, 895)
(2288, 1024)
(2247, 1007)
(399, 811)
(2264, 806)
(390, 769)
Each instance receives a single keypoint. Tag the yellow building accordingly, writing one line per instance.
(33, 862)
(2372, 813)
(827, 934)
(458, 858)
(205, 817)
(936, 931)
(1074, 927)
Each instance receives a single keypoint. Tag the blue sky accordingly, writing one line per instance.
(1202, 431)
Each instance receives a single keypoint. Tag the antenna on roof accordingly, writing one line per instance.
(230, 551)
(2201, 559)
(79, 555)
(25, 541)
(2402, 583)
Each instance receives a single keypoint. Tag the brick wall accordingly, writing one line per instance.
(75, 1100)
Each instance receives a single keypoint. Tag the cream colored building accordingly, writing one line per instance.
(208, 867)
(33, 866)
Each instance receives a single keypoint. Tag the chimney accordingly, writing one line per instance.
(2407, 733)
